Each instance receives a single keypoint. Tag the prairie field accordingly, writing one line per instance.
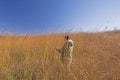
(96, 56)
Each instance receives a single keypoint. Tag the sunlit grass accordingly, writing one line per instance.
(96, 56)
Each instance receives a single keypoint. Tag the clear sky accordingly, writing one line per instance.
(59, 15)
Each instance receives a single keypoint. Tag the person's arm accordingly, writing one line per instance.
(62, 49)
(59, 50)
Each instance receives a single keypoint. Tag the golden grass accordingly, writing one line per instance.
(96, 56)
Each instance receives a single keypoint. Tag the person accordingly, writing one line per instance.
(66, 52)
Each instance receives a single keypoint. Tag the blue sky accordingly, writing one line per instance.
(41, 16)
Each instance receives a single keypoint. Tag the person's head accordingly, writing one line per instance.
(67, 37)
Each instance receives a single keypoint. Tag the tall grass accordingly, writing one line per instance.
(96, 56)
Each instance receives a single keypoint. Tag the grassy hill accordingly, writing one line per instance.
(96, 56)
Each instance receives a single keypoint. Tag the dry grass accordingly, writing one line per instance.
(96, 56)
